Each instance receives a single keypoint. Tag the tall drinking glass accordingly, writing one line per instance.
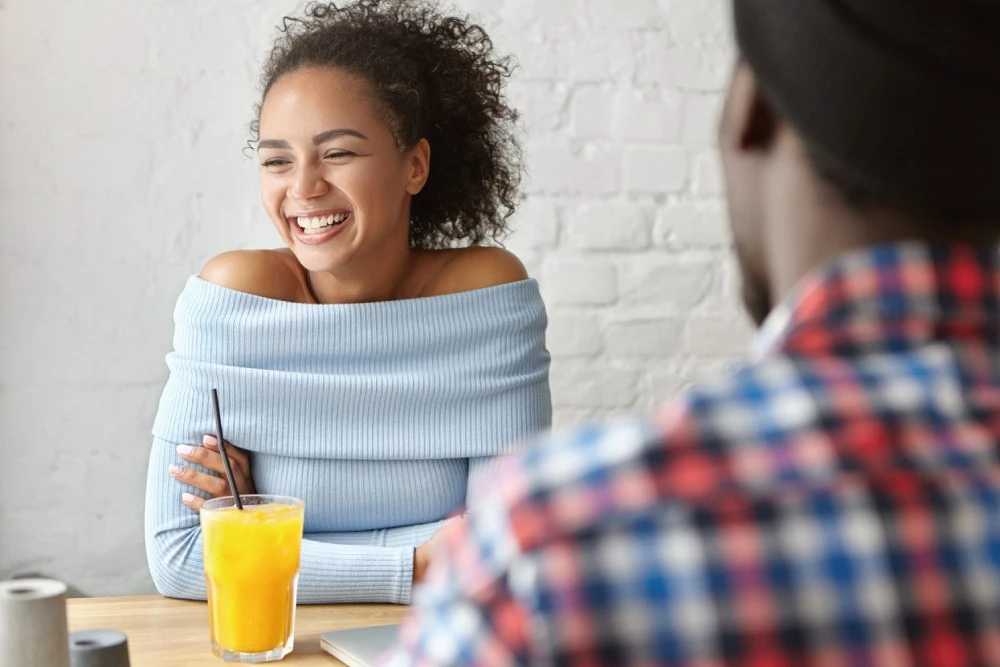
(251, 574)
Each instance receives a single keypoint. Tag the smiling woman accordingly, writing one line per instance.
(326, 155)
(385, 357)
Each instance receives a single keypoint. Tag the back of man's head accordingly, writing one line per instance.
(893, 103)
(897, 101)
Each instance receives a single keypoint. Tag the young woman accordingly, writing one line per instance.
(385, 357)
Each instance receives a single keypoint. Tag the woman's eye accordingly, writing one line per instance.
(274, 162)
(335, 155)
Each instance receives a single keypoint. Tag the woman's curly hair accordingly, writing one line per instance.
(432, 77)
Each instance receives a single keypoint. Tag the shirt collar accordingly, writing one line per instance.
(888, 297)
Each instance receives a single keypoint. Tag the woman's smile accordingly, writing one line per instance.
(315, 228)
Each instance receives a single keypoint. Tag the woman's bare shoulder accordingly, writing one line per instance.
(466, 269)
(274, 274)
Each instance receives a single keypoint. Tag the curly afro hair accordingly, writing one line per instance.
(433, 77)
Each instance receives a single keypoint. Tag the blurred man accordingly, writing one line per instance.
(836, 499)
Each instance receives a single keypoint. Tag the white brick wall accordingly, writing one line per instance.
(121, 125)
(620, 103)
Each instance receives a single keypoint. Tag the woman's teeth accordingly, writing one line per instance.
(318, 224)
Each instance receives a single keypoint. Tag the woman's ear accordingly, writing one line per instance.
(419, 164)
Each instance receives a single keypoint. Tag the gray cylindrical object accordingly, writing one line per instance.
(98, 648)
(33, 628)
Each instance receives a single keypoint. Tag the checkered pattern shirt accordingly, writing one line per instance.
(836, 501)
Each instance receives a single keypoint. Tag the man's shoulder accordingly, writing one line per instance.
(734, 430)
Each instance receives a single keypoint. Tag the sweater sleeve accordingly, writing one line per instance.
(328, 573)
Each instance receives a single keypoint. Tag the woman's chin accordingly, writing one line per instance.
(317, 261)
(321, 257)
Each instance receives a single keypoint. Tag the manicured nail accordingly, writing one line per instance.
(184, 450)
(176, 469)
(210, 440)
(187, 497)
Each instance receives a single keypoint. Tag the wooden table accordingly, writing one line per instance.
(170, 633)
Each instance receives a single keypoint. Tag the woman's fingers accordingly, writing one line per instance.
(192, 501)
(215, 482)
(237, 457)
(212, 484)
(209, 457)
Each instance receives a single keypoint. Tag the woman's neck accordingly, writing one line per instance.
(388, 277)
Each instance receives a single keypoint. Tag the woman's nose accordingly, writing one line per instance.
(308, 183)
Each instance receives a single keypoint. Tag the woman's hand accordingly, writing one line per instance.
(423, 554)
(208, 456)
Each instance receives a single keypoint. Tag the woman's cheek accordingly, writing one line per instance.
(272, 196)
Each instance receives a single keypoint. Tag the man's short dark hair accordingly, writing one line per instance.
(898, 101)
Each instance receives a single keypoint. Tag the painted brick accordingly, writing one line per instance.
(609, 226)
(560, 168)
(701, 224)
(655, 170)
(573, 334)
(645, 338)
(580, 282)
(674, 283)
(726, 336)
(584, 384)
(685, 67)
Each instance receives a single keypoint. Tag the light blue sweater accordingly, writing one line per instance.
(376, 414)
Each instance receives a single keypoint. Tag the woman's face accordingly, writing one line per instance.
(332, 178)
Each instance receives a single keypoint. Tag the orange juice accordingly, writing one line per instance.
(251, 572)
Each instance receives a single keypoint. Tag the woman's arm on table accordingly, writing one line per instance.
(329, 573)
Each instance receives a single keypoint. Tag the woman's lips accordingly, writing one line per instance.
(321, 226)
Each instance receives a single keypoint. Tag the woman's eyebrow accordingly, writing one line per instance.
(336, 133)
(318, 139)
(273, 143)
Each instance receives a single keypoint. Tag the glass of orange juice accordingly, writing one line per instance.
(251, 574)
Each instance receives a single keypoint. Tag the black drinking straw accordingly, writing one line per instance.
(222, 450)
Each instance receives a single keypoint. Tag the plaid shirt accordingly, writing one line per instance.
(834, 502)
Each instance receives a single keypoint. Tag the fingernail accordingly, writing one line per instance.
(184, 450)
(210, 440)
(187, 497)
(176, 469)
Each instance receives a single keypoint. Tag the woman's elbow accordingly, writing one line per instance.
(169, 587)
(171, 583)
(174, 571)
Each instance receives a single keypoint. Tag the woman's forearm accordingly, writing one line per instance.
(328, 572)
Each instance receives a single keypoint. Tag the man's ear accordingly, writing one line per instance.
(748, 122)
(419, 163)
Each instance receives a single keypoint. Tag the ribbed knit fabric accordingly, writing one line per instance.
(376, 414)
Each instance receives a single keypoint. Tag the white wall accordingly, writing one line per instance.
(121, 125)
